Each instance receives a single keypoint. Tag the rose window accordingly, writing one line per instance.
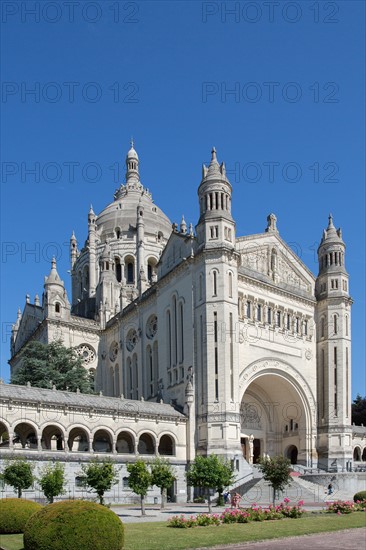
(152, 326)
(113, 351)
(86, 353)
(131, 339)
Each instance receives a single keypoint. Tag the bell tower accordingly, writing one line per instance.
(218, 425)
(333, 320)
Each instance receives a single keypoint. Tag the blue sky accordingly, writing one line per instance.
(278, 88)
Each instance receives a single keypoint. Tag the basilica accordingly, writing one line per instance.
(198, 340)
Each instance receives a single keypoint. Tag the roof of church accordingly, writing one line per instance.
(88, 401)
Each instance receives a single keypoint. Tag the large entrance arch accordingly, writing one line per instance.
(277, 413)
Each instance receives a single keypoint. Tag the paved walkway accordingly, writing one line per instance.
(349, 539)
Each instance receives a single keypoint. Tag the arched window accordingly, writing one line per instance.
(200, 287)
(214, 283)
(169, 337)
(129, 379)
(117, 263)
(166, 446)
(117, 389)
(297, 325)
(146, 445)
(230, 284)
(175, 330)
(346, 320)
(278, 319)
(269, 315)
(248, 309)
(259, 312)
(150, 371)
(181, 333)
(130, 270)
(335, 324)
(135, 375)
(322, 327)
(118, 232)
(57, 307)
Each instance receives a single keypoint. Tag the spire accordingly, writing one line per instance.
(331, 233)
(330, 222)
(214, 169)
(53, 277)
(213, 155)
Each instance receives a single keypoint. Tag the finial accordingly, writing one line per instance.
(213, 154)
(27, 299)
(271, 223)
(53, 263)
(191, 234)
(132, 142)
(183, 225)
(36, 300)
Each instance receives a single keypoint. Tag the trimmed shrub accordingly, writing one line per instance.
(74, 525)
(14, 514)
(361, 495)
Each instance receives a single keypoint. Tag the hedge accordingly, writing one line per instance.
(74, 525)
(361, 495)
(14, 514)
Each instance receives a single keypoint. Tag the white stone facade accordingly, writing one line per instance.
(234, 332)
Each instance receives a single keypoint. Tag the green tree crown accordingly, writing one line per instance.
(52, 480)
(19, 475)
(99, 476)
(44, 365)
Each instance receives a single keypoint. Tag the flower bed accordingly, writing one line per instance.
(345, 506)
(239, 515)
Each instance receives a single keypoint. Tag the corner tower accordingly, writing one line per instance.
(333, 319)
(218, 421)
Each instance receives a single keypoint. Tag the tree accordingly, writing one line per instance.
(209, 473)
(52, 481)
(359, 410)
(18, 474)
(162, 475)
(139, 480)
(100, 476)
(44, 365)
(276, 470)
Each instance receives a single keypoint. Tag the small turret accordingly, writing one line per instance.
(55, 300)
(216, 226)
(332, 276)
(132, 168)
(73, 250)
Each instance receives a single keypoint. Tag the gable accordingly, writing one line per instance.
(178, 248)
(31, 318)
(268, 256)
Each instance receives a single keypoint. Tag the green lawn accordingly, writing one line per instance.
(157, 536)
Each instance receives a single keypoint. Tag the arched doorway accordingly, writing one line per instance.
(291, 453)
(275, 413)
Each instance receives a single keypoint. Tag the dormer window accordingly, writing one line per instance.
(57, 307)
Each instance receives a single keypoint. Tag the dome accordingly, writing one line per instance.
(118, 219)
(132, 153)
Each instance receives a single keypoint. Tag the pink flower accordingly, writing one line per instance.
(301, 503)
(286, 500)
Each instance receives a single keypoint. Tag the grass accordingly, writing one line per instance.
(157, 536)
